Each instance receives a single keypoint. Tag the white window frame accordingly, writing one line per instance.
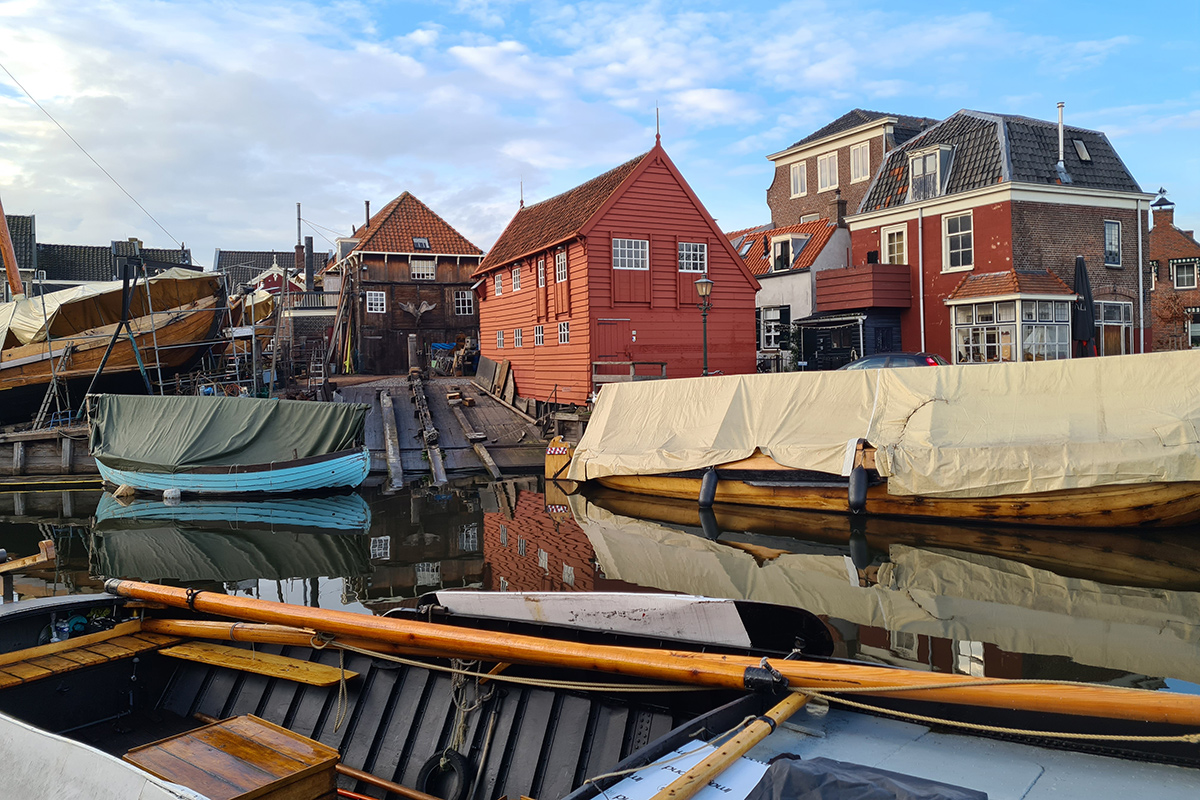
(885, 251)
(560, 267)
(520, 546)
(499, 284)
(827, 170)
(946, 242)
(543, 559)
(518, 337)
(539, 335)
(516, 279)
(631, 254)
(809, 218)
(769, 323)
(422, 269)
(1192, 264)
(1116, 225)
(381, 548)
(503, 535)
(564, 332)
(503, 584)
(860, 162)
(376, 302)
(500, 340)
(541, 272)
(798, 174)
(693, 257)
(568, 574)
(464, 303)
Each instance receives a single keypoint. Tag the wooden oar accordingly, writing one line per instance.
(715, 763)
(683, 667)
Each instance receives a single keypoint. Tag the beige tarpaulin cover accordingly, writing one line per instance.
(951, 431)
(94, 305)
(947, 594)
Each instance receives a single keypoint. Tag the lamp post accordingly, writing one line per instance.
(704, 289)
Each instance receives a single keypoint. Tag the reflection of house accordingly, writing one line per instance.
(606, 272)
(412, 274)
(1174, 264)
(528, 550)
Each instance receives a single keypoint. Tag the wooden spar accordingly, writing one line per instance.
(10, 256)
(391, 439)
(685, 667)
(696, 778)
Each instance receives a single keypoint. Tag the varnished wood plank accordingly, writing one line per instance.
(157, 639)
(119, 630)
(26, 671)
(172, 768)
(294, 746)
(110, 651)
(81, 657)
(132, 643)
(247, 748)
(54, 663)
(7, 680)
(244, 775)
(258, 663)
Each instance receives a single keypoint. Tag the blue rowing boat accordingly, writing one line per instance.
(346, 469)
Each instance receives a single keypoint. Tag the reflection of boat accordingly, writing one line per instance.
(228, 445)
(925, 590)
(210, 540)
(1162, 559)
(1100, 442)
(66, 333)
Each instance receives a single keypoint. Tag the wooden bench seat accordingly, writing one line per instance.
(124, 641)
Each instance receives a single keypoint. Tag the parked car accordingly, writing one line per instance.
(880, 360)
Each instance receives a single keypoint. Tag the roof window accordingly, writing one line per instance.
(1081, 150)
(420, 243)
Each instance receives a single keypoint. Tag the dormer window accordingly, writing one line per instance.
(785, 250)
(927, 171)
(420, 243)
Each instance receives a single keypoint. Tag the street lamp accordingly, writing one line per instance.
(704, 289)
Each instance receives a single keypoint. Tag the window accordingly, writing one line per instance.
(693, 257)
(969, 658)
(957, 253)
(891, 242)
(631, 254)
(500, 340)
(560, 266)
(516, 279)
(468, 537)
(423, 269)
(541, 272)
(376, 302)
(543, 559)
(504, 535)
(518, 337)
(1114, 328)
(429, 573)
(747, 243)
(539, 336)
(809, 218)
(770, 329)
(827, 172)
(800, 179)
(860, 162)
(923, 177)
(381, 547)
(785, 251)
(504, 584)
(1112, 243)
(520, 546)
(564, 333)
(464, 303)
(1081, 150)
(1185, 273)
(499, 281)
(986, 332)
(568, 575)
(1193, 328)
(420, 243)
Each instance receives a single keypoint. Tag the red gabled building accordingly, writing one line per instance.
(600, 281)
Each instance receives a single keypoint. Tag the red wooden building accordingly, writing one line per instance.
(599, 282)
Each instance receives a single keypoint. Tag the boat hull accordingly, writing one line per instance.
(1120, 506)
(346, 469)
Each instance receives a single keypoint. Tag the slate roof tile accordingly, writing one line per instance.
(393, 228)
(556, 219)
(21, 230)
(1000, 284)
(905, 128)
(72, 262)
(757, 258)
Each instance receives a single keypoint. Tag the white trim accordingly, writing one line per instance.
(883, 248)
(859, 133)
(1000, 298)
(826, 157)
(946, 242)
(377, 298)
(866, 176)
(801, 167)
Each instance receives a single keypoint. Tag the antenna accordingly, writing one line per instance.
(657, 132)
(522, 193)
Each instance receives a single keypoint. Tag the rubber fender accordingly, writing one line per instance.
(708, 488)
(446, 775)
(858, 489)
(860, 551)
(708, 524)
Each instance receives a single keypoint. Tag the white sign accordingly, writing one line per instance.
(733, 784)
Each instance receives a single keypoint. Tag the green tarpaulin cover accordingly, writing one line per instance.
(178, 434)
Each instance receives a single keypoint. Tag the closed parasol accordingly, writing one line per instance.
(1083, 315)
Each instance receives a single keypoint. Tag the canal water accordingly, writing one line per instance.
(1120, 608)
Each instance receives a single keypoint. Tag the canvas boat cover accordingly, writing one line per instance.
(949, 431)
(179, 434)
(827, 779)
(94, 305)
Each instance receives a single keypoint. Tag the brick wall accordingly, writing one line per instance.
(786, 210)
(1168, 304)
(559, 536)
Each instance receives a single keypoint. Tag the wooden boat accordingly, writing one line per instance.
(228, 445)
(391, 725)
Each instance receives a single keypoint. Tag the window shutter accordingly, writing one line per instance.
(785, 326)
(757, 328)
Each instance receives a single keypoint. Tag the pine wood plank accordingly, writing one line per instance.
(26, 671)
(299, 748)
(259, 663)
(7, 680)
(82, 657)
(54, 663)
(122, 629)
(109, 650)
(172, 768)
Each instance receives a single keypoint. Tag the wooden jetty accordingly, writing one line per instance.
(437, 426)
(24, 455)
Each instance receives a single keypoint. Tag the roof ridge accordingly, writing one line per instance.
(589, 181)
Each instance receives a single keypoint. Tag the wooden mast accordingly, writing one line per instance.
(10, 256)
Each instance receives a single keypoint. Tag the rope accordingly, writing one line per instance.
(343, 701)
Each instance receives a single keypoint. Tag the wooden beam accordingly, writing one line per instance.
(68, 455)
(45, 556)
(392, 443)
(18, 461)
(292, 669)
(480, 450)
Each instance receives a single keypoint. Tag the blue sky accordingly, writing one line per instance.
(220, 116)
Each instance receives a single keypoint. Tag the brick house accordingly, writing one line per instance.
(989, 193)
(838, 160)
(411, 274)
(1174, 264)
(599, 281)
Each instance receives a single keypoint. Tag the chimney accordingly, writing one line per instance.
(367, 205)
(1060, 135)
(838, 209)
(297, 265)
(308, 264)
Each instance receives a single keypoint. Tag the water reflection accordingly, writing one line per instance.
(1003, 602)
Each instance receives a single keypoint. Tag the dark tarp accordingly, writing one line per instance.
(177, 434)
(1083, 312)
(826, 779)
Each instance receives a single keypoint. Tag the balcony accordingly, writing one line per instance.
(864, 286)
(309, 301)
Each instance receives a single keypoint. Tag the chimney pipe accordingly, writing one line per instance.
(297, 224)
(308, 264)
(367, 205)
(1060, 135)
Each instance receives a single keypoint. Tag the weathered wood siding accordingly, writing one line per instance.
(862, 287)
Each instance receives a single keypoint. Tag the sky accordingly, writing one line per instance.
(218, 117)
